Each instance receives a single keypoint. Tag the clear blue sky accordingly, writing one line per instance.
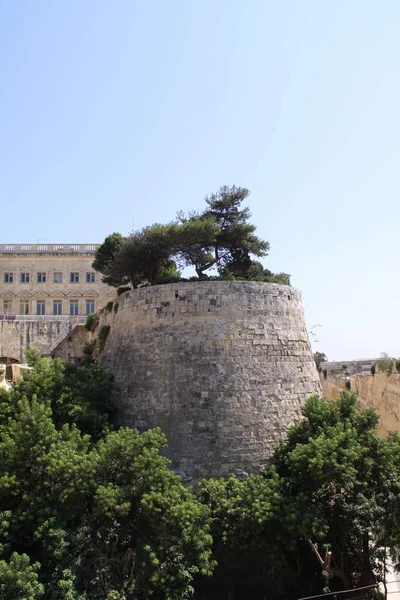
(130, 110)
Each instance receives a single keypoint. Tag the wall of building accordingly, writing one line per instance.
(16, 336)
(51, 260)
(71, 348)
(222, 367)
(380, 391)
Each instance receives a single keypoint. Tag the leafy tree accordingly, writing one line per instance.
(319, 358)
(384, 363)
(77, 394)
(333, 483)
(142, 258)
(91, 518)
(105, 256)
(221, 237)
(19, 579)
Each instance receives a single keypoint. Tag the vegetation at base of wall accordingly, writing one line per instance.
(89, 347)
(109, 306)
(90, 514)
(398, 366)
(102, 336)
(91, 321)
(334, 484)
(218, 239)
(90, 511)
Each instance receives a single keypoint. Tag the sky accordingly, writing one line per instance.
(115, 115)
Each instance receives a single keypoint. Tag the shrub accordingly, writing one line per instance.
(91, 321)
(109, 306)
(384, 364)
(116, 307)
(103, 335)
(88, 348)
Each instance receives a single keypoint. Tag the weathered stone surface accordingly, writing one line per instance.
(223, 367)
(381, 391)
(16, 336)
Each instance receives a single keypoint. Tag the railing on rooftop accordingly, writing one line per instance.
(76, 320)
(48, 248)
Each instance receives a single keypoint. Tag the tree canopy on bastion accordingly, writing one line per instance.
(218, 239)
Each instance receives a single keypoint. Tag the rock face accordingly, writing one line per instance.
(381, 391)
(222, 367)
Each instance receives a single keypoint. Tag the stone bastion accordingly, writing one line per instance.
(222, 367)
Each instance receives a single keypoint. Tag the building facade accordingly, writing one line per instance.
(52, 280)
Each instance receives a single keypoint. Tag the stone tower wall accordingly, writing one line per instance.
(222, 367)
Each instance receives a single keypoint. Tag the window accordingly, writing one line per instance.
(57, 307)
(40, 307)
(41, 277)
(74, 277)
(57, 277)
(24, 277)
(24, 307)
(90, 277)
(73, 307)
(8, 277)
(7, 306)
(89, 307)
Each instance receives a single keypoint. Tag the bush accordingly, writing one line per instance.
(91, 321)
(103, 335)
(89, 347)
(384, 364)
(116, 307)
(109, 306)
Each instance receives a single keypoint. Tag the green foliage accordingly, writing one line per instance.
(19, 579)
(109, 306)
(89, 347)
(219, 238)
(384, 364)
(75, 394)
(373, 370)
(320, 357)
(116, 307)
(86, 518)
(123, 289)
(105, 256)
(334, 482)
(91, 321)
(102, 337)
(398, 366)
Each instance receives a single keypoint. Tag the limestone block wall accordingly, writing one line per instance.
(16, 336)
(222, 367)
(71, 348)
(380, 391)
